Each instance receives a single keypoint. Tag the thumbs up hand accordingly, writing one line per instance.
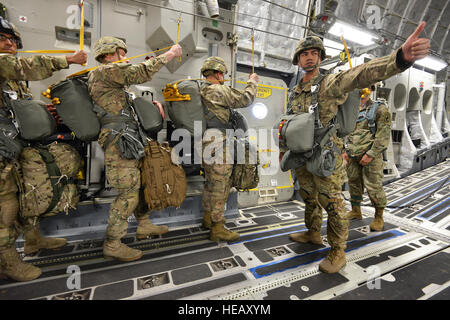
(416, 48)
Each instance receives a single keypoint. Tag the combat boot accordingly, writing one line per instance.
(219, 232)
(378, 223)
(12, 266)
(35, 241)
(207, 222)
(308, 236)
(355, 213)
(334, 261)
(146, 228)
(117, 250)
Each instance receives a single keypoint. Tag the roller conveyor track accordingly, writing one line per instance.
(264, 264)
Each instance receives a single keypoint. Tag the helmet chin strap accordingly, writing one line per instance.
(310, 69)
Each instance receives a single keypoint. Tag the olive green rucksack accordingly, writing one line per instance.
(48, 179)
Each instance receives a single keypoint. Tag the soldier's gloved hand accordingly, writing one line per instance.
(254, 77)
(365, 160)
(174, 52)
(161, 109)
(79, 57)
(415, 48)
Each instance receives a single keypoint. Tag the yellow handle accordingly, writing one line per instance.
(82, 28)
(178, 35)
(346, 51)
(46, 51)
(253, 51)
(126, 59)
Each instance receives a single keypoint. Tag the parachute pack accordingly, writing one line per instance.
(75, 107)
(185, 104)
(48, 179)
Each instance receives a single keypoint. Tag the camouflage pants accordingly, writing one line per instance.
(369, 177)
(218, 180)
(216, 190)
(9, 207)
(125, 176)
(318, 193)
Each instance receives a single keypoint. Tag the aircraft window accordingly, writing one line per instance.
(260, 111)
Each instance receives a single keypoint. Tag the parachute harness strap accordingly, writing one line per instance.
(346, 51)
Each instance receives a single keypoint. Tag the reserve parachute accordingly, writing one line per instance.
(31, 117)
(48, 179)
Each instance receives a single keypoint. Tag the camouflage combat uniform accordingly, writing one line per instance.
(107, 85)
(327, 191)
(362, 142)
(219, 99)
(13, 71)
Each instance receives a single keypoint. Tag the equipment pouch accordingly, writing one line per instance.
(10, 144)
(322, 163)
(130, 145)
(291, 161)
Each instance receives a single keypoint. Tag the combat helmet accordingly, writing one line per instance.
(214, 64)
(311, 42)
(106, 45)
(9, 28)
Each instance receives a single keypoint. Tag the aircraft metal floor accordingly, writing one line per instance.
(409, 259)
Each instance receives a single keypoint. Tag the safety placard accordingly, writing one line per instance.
(263, 93)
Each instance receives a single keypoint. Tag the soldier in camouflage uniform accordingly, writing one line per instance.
(365, 160)
(218, 99)
(107, 85)
(333, 92)
(13, 72)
